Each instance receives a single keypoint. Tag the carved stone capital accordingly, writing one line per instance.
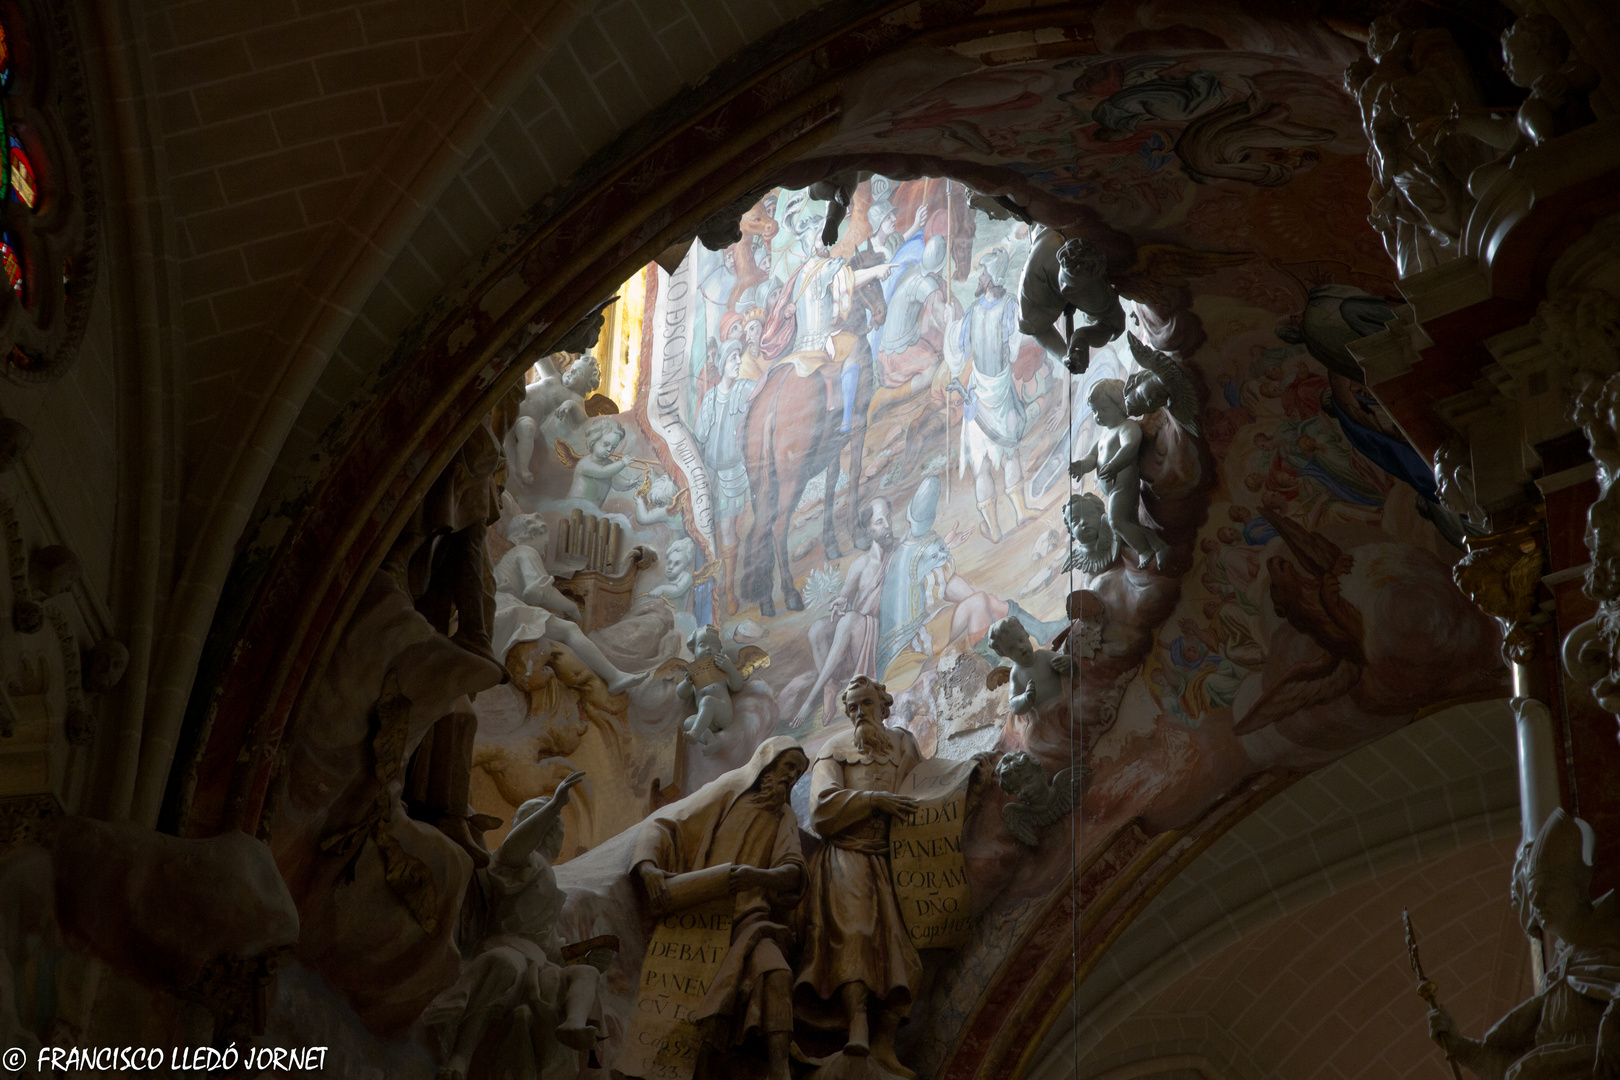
(1500, 574)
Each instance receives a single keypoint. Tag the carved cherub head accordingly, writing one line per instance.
(1107, 399)
(705, 642)
(583, 375)
(1096, 545)
(1009, 638)
(1021, 776)
(527, 529)
(1533, 46)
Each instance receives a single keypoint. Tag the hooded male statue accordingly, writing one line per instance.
(736, 836)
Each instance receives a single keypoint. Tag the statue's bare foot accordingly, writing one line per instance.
(452, 1071)
(625, 681)
(577, 1037)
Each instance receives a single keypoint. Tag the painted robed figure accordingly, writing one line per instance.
(857, 960)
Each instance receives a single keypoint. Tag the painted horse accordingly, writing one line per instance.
(792, 433)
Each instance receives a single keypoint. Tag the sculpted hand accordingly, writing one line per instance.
(572, 780)
(893, 804)
(1441, 1026)
(839, 606)
(1062, 663)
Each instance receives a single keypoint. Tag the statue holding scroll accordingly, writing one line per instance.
(1572, 1028)
(736, 837)
(858, 959)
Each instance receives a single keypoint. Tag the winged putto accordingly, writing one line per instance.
(708, 681)
(1039, 803)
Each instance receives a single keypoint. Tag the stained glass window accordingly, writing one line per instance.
(45, 224)
(11, 263)
(23, 188)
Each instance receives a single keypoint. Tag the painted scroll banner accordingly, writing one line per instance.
(670, 373)
(685, 952)
(925, 855)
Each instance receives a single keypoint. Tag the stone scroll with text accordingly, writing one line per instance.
(685, 952)
(925, 855)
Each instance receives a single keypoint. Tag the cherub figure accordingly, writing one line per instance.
(1039, 804)
(1060, 278)
(1036, 675)
(658, 502)
(678, 582)
(709, 680)
(554, 394)
(597, 474)
(1536, 56)
(1161, 384)
(1119, 472)
(1096, 548)
(515, 970)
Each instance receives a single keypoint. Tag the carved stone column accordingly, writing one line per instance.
(1502, 574)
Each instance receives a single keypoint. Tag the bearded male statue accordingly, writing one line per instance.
(857, 956)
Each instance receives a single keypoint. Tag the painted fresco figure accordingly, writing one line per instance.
(921, 576)
(823, 301)
(1060, 278)
(529, 607)
(736, 836)
(858, 960)
(908, 345)
(719, 431)
(554, 394)
(514, 969)
(994, 419)
(844, 642)
(598, 473)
